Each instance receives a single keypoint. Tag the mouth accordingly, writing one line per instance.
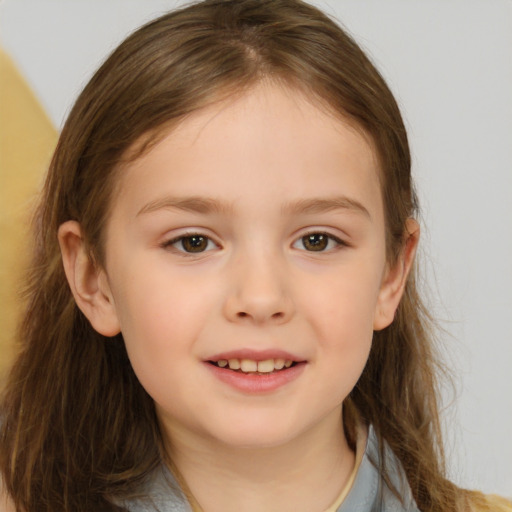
(251, 366)
(255, 372)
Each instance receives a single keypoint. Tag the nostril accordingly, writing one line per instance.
(275, 316)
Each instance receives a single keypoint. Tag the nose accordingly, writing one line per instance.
(259, 293)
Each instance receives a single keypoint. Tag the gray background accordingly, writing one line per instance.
(449, 63)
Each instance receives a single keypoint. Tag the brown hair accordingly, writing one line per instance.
(78, 430)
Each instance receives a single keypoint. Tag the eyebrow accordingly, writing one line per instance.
(205, 205)
(192, 204)
(323, 205)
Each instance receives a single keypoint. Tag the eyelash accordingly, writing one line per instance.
(171, 244)
(326, 238)
(329, 238)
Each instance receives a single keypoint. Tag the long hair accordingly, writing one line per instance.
(77, 429)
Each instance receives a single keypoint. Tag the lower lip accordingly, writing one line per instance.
(255, 383)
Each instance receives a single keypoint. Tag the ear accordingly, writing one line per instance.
(395, 278)
(87, 281)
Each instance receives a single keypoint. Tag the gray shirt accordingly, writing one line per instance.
(368, 493)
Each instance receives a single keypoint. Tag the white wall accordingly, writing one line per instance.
(450, 65)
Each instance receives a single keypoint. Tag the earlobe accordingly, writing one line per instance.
(87, 281)
(395, 278)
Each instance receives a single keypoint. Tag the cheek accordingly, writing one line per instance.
(341, 314)
(345, 302)
(158, 302)
(161, 317)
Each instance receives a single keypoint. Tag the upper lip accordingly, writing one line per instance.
(256, 355)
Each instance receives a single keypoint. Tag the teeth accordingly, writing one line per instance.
(246, 365)
(251, 366)
(234, 364)
(278, 364)
(266, 366)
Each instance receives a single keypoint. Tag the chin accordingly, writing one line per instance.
(256, 434)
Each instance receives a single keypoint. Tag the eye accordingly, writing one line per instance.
(318, 242)
(193, 243)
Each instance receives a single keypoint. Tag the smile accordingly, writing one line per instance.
(251, 366)
(256, 372)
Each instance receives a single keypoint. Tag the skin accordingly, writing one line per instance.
(6, 504)
(268, 169)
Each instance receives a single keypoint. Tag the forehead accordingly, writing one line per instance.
(270, 136)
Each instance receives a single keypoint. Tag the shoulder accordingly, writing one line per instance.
(161, 492)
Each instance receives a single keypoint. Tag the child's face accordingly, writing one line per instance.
(254, 231)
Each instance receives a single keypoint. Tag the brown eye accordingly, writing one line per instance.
(315, 242)
(194, 243)
(318, 242)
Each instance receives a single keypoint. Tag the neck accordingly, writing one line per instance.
(304, 474)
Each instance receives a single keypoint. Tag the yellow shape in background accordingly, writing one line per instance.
(27, 139)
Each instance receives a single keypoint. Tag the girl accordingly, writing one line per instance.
(222, 311)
